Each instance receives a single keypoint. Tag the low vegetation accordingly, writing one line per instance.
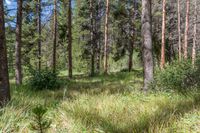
(100, 104)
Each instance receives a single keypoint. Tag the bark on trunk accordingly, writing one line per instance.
(147, 43)
(195, 37)
(39, 33)
(70, 39)
(106, 39)
(4, 78)
(18, 68)
(55, 36)
(179, 32)
(92, 38)
(162, 63)
(186, 29)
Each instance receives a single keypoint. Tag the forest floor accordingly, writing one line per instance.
(103, 104)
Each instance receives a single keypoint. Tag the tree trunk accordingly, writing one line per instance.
(162, 63)
(147, 43)
(4, 78)
(92, 38)
(179, 31)
(186, 29)
(39, 33)
(106, 39)
(70, 39)
(55, 36)
(18, 68)
(195, 37)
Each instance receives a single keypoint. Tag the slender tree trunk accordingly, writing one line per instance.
(92, 37)
(195, 35)
(70, 39)
(130, 60)
(106, 39)
(186, 29)
(4, 78)
(55, 36)
(18, 68)
(179, 31)
(39, 32)
(147, 43)
(162, 63)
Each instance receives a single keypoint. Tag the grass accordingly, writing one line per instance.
(103, 104)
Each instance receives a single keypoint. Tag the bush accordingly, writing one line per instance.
(180, 76)
(44, 80)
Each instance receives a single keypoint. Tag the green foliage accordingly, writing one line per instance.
(179, 76)
(40, 122)
(44, 80)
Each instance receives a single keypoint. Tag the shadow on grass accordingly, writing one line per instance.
(146, 123)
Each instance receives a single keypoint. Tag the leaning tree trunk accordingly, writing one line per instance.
(195, 35)
(4, 78)
(186, 29)
(18, 68)
(70, 39)
(106, 39)
(55, 36)
(147, 43)
(39, 32)
(179, 31)
(162, 63)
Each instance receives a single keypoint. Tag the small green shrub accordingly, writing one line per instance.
(179, 75)
(40, 123)
(44, 80)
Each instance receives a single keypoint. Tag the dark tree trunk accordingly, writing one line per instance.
(92, 37)
(55, 36)
(4, 78)
(18, 68)
(147, 43)
(70, 39)
(39, 32)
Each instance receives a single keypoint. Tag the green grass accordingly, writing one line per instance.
(103, 104)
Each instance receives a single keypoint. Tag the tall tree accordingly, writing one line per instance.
(18, 67)
(195, 35)
(39, 32)
(106, 39)
(92, 37)
(55, 36)
(162, 63)
(147, 43)
(70, 39)
(4, 78)
(186, 29)
(179, 31)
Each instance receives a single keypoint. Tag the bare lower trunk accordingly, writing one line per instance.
(179, 31)
(130, 61)
(55, 36)
(195, 37)
(18, 68)
(106, 39)
(92, 38)
(70, 40)
(4, 78)
(147, 43)
(186, 29)
(162, 63)
(39, 33)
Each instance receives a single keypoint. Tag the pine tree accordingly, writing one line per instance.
(4, 78)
